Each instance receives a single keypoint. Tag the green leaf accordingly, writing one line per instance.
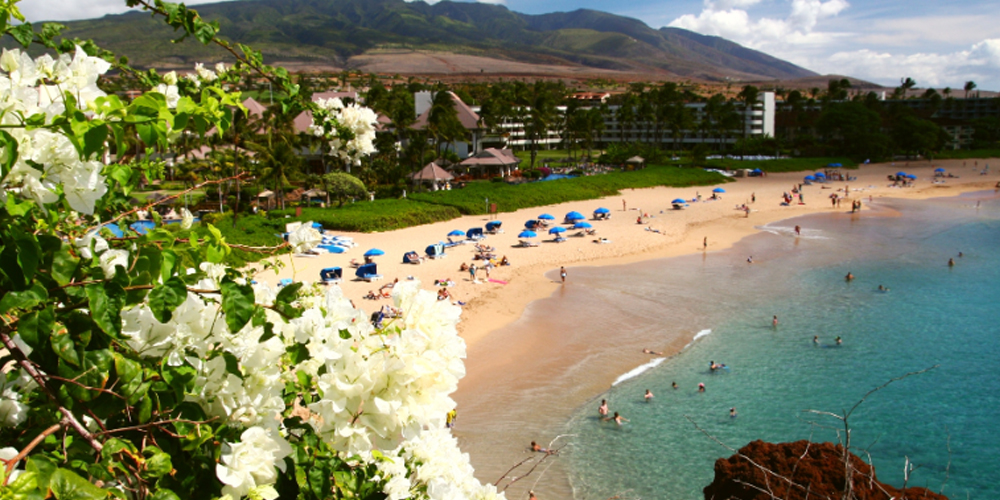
(145, 409)
(179, 378)
(66, 485)
(36, 327)
(287, 295)
(94, 139)
(131, 382)
(23, 300)
(169, 263)
(157, 462)
(64, 347)
(167, 297)
(24, 34)
(25, 487)
(43, 468)
(92, 375)
(114, 446)
(106, 301)
(237, 303)
(164, 495)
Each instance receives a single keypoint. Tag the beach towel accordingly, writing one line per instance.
(498, 281)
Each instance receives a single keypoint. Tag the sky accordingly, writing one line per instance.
(938, 44)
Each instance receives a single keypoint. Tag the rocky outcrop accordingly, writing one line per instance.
(801, 470)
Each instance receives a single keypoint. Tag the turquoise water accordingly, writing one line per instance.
(932, 315)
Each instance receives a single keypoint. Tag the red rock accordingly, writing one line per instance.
(817, 468)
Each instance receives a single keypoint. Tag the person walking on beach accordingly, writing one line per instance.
(798, 231)
(603, 409)
(753, 197)
(704, 243)
(562, 273)
(624, 206)
(472, 272)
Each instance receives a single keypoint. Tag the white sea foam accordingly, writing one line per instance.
(698, 336)
(807, 234)
(638, 371)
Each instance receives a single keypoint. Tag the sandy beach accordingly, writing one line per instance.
(493, 418)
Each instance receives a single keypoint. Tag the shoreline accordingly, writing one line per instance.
(484, 431)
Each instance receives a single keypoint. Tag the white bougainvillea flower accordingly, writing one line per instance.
(251, 462)
(111, 259)
(304, 238)
(187, 219)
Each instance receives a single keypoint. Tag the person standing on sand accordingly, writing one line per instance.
(562, 273)
(472, 272)
(753, 197)
(624, 206)
(704, 243)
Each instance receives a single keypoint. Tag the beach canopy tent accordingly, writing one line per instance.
(527, 234)
(435, 251)
(374, 253)
(582, 225)
(574, 216)
(411, 257)
(491, 161)
(368, 272)
(475, 233)
(557, 230)
(457, 232)
(635, 162)
(546, 217)
(718, 190)
(331, 274)
(493, 226)
(433, 174)
(602, 210)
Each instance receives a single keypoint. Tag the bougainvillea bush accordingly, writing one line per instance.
(141, 366)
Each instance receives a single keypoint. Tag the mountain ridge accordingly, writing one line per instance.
(328, 34)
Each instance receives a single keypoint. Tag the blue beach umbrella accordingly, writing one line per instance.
(557, 230)
(527, 234)
(679, 200)
(820, 174)
(546, 217)
(939, 169)
(374, 253)
(602, 210)
(718, 190)
(835, 165)
(582, 225)
(911, 177)
(901, 174)
(575, 216)
(810, 178)
(457, 232)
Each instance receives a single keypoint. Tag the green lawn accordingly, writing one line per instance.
(964, 154)
(371, 216)
(550, 154)
(472, 199)
(783, 165)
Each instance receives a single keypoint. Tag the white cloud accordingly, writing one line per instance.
(980, 63)
(728, 19)
(68, 10)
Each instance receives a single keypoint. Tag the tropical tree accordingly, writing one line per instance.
(443, 124)
(343, 186)
(969, 87)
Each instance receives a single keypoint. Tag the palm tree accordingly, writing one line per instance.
(969, 85)
(625, 115)
(680, 120)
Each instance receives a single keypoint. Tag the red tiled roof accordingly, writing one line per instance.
(468, 117)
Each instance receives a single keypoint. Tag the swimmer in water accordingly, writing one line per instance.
(951, 262)
(849, 276)
(882, 288)
(701, 387)
(960, 255)
(774, 321)
(536, 447)
(617, 418)
(815, 339)
(603, 409)
(839, 340)
(649, 395)
(674, 385)
(732, 412)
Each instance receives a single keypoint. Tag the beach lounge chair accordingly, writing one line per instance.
(333, 248)
(475, 233)
(526, 244)
(531, 224)
(331, 275)
(412, 257)
(493, 227)
(435, 251)
(368, 272)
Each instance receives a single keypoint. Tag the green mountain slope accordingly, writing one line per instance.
(327, 33)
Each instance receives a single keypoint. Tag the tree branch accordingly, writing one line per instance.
(27, 449)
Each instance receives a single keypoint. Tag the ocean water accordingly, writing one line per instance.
(944, 421)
